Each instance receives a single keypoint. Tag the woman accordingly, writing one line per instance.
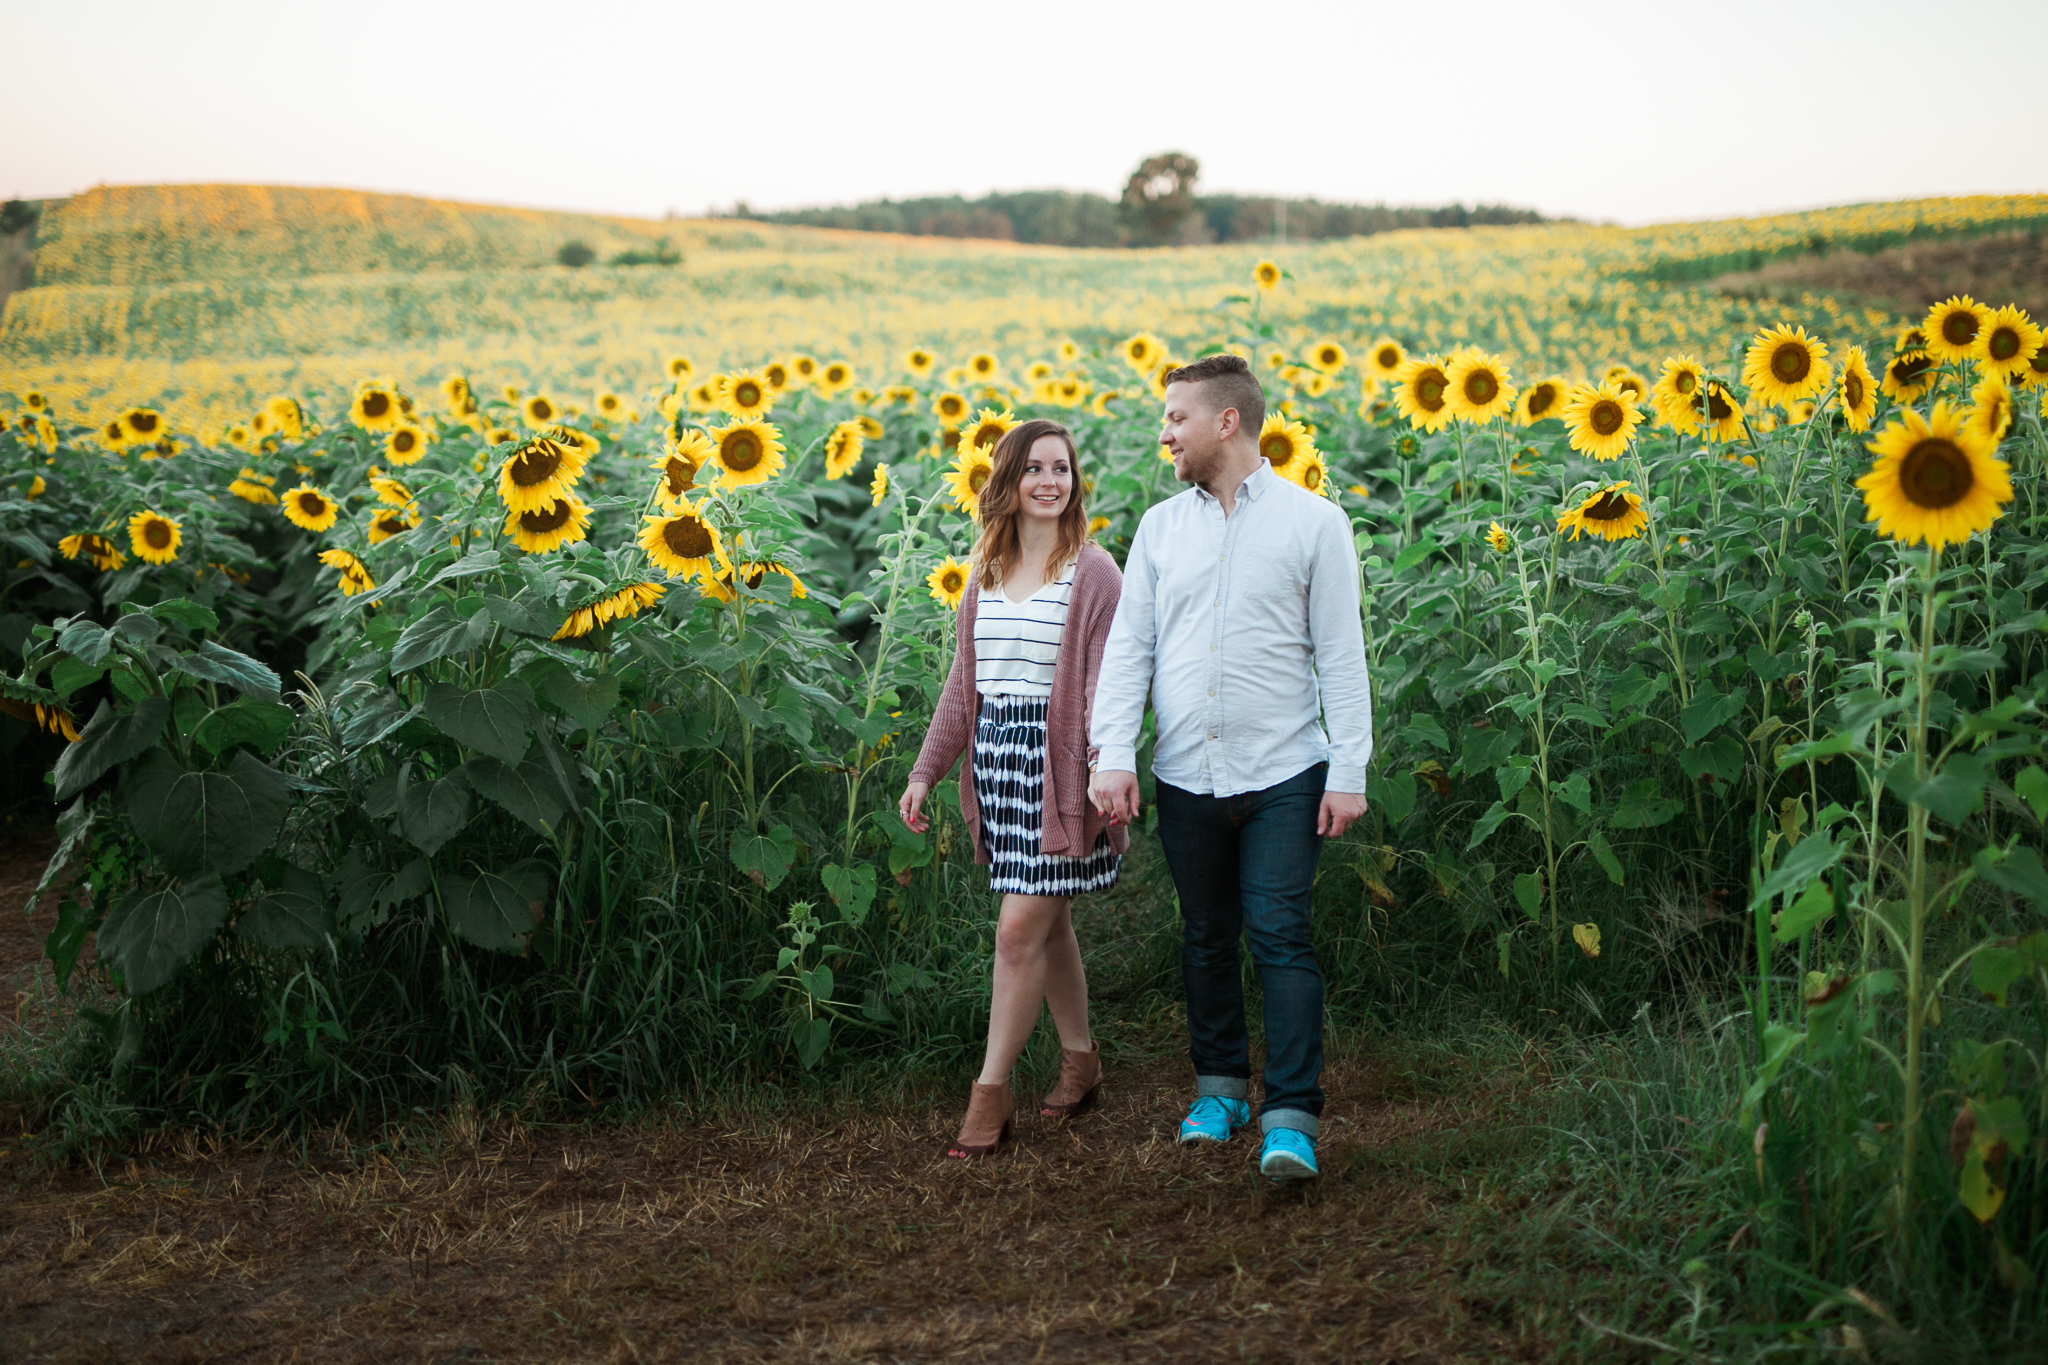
(1031, 630)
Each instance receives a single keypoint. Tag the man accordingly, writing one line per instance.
(1240, 614)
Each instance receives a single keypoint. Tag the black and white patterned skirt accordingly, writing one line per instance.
(1009, 784)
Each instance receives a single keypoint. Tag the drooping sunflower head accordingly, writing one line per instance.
(688, 450)
(1479, 389)
(951, 409)
(153, 537)
(562, 522)
(252, 492)
(1784, 365)
(747, 452)
(284, 416)
(871, 428)
(309, 509)
(374, 408)
(1610, 512)
(1266, 275)
(919, 361)
(1328, 356)
(1991, 411)
(842, 449)
(405, 444)
(354, 577)
(1675, 395)
(1285, 444)
(1935, 480)
(878, 487)
(972, 469)
(682, 542)
(539, 473)
(987, 428)
(1953, 327)
(538, 410)
(104, 553)
(1423, 392)
(1721, 413)
(2008, 341)
(1601, 421)
(1909, 339)
(1859, 390)
(948, 581)
(386, 522)
(1908, 376)
(746, 394)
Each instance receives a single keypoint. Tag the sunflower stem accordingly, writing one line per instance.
(1916, 835)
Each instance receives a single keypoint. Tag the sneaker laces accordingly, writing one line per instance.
(1209, 1107)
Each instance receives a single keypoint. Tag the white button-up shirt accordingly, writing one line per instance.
(1246, 630)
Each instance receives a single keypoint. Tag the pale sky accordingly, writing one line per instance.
(1634, 112)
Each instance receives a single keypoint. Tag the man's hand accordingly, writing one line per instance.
(1339, 812)
(1115, 794)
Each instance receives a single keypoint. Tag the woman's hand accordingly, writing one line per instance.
(910, 806)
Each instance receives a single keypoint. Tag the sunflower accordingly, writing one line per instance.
(1935, 480)
(704, 398)
(140, 426)
(987, 428)
(1479, 389)
(612, 408)
(406, 444)
(374, 408)
(753, 575)
(1385, 358)
(842, 449)
(1909, 339)
(878, 487)
(1266, 275)
(1311, 473)
(1285, 444)
(1141, 352)
(832, 377)
(455, 393)
(386, 522)
(687, 453)
(948, 582)
(1497, 538)
(562, 522)
(776, 372)
(1328, 356)
(46, 433)
(802, 369)
(679, 368)
(539, 410)
(625, 603)
(310, 509)
(236, 434)
(1610, 512)
(747, 452)
(248, 490)
(114, 436)
(390, 491)
(1632, 385)
(871, 428)
(1783, 365)
(1601, 420)
(2036, 372)
(162, 448)
(919, 361)
(511, 394)
(154, 537)
(982, 366)
(104, 554)
(681, 542)
(2008, 341)
(746, 394)
(35, 401)
(1953, 326)
(951, 409)
(354, 577)
(1859, 390)
(1990, 411)
(539, 473)
(1675, 395)
(970, 474)
(1541, 400)
(1908, 376)
(1423, 392)
(1723, 414)
(288, 419)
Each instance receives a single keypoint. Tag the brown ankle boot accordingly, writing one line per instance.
(987, 1127)
(1080, 1074)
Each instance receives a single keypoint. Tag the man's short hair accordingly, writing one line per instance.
(1227, 382)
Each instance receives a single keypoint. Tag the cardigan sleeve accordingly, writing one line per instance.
(1104, 594)
(953, 718)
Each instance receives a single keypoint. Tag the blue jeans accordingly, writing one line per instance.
(1247, 864)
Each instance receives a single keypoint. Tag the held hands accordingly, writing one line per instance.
(1340, 810)
(1115, 794)
(910, 806)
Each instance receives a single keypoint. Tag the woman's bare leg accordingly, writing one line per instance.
(1066, 983)
(1023, 927)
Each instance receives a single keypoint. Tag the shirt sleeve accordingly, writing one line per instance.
(1337, 634)
(1126, 675)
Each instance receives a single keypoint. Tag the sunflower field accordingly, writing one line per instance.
(479, 738)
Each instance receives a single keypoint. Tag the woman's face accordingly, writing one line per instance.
(1048, 482)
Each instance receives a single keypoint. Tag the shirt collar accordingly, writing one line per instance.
(1257, 482)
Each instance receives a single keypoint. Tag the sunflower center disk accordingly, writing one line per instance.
(681, 475)
(536, 464)
(1791, 364)
(1936, 474)
(1480, 389)
(1430, 392)
(1959, 329)
(2005, 344)
(747, 394)
(375, 405)
(157, 534)
(741, 453)
(556, 515)
(1279, 450)
(1605, 418)
(687, 537)
(1611, 507)
(312, 504)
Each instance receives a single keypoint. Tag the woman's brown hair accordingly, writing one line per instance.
(1001, 500)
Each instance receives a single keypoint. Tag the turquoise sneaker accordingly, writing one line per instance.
(1212, 1118)
(1289, 1155)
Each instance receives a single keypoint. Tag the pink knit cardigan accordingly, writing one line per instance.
(1071, 822)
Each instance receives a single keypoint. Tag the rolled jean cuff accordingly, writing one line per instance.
(1224, 1087)
(1300, 1120)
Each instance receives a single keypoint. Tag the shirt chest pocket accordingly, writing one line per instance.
(1270, 577)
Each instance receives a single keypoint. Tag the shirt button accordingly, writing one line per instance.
(1212, 649)
(1212, 691)
(1221, 558)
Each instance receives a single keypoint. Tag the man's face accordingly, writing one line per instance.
(1193, 432)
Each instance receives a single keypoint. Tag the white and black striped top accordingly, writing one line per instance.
(1016, 643)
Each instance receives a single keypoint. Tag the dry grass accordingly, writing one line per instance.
(2006, 268)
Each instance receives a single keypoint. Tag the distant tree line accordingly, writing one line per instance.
(1159, 206)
